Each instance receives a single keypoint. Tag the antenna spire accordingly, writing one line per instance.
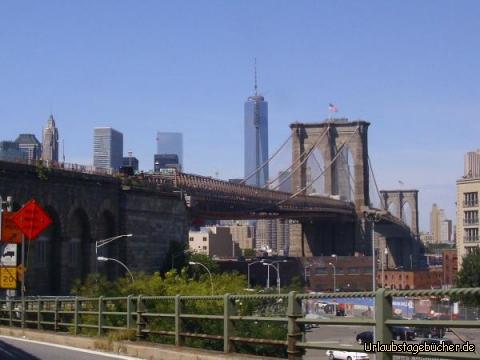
(256, 87)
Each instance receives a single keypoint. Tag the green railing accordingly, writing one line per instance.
(175, 319)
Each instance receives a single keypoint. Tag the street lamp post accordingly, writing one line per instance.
(248, 271)
(206, 268)
(103, 242)
(383, 267)
(102, 258)
(334, 277)
(335, 256)
(305, 267)
(278, 274)
(373, 216)
(277, 269)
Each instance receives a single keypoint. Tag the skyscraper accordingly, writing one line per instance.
(440, 226)
(107, 148)
(472, 164)
(256, 138)
(165, 161)
(170, 143)
(9, 151)
(130, 161)
(50, 141)
(29, 145)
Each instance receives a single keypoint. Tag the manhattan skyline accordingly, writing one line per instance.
(130, 66)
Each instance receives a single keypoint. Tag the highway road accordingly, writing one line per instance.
(345, 336)
(24, 349)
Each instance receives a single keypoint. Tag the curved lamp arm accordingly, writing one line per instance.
(206, 268)
(102, 258)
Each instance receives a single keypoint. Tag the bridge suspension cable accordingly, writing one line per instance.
(268, 160)
(339, 150)
(306, 156)
(375, 181)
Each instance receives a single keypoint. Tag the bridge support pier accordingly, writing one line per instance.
(323, 237)
(402, 252)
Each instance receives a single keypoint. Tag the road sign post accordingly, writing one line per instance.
(31, 219)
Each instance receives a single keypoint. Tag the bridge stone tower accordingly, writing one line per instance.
(403, 250)
(328, 138)
(404, 205)
(343, 146)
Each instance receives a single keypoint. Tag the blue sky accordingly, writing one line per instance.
(408, 67)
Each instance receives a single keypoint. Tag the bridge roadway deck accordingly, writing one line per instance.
(222, 199)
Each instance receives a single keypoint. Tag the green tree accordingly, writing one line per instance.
(198, 271)
(469, 276)
(173, 283)
(248, 253)
(176, 257)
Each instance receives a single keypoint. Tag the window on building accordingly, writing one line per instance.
(471, 235)
(470, 199)
(353, 270)
(204, 248)
(204, 238)
(470, 217)
(320, 270)
(191, 239)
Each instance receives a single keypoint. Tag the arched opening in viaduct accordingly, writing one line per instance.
(42, 258)
(77, 251)
(105, 230)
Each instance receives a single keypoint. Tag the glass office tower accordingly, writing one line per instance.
(107, 148)
(256, 140)
(170, 143)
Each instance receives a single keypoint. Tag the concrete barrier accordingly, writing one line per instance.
(143, 350)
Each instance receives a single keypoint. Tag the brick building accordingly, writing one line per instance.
(450, 267)
(409, 280)
(352, 273)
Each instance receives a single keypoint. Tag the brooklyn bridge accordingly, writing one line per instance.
(159, 208)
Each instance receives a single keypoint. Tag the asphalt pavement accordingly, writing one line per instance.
(23, 349)
(345, 336)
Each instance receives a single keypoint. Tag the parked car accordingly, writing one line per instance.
(437, 341)
(430, 331)
(346, 355)
(403, 333)
(364, 337)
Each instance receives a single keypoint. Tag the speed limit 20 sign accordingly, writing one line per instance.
(8, 278)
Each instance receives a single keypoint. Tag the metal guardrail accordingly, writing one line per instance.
(154, 317)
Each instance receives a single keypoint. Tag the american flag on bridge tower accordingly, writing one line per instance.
(332, 108)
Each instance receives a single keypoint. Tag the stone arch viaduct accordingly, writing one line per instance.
(86, 208)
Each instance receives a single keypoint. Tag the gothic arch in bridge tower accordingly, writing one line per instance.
(345, 174)
(393, 209)
(315, 166)
(344, 148)
(407, 213)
